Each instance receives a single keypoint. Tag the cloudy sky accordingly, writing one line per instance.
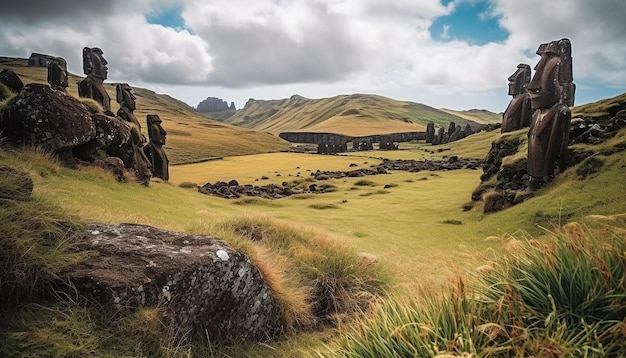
(444, 53)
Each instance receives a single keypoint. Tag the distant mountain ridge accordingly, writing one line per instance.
(353, 115)
(214, 104)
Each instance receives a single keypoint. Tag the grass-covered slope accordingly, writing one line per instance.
(602, 109)
(191, 136)
(353, 115)
(481, 116)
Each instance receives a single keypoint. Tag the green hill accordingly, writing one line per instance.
(353, 115)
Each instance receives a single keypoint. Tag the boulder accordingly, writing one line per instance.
(200, 284)
(113, 165)
(11, 80)
(48, 118)
(111, 132)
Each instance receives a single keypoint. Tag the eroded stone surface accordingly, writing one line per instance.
(42, 116)
(200, 282)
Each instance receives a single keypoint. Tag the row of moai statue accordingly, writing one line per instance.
(542, 103)
(332, 147)
(147, 157)
(387, 143)
(454, 133)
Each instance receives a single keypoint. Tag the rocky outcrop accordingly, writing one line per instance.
(48, 118)
(505, 183)
(200, 284)
(42, 60)
(450, 163)
(233, 190)
(214, 104)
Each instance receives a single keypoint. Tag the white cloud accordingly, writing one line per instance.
(267, 48)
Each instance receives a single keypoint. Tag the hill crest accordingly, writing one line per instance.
(353, 115)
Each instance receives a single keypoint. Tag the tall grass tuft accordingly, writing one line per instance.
(574, 282)
(92, 105)
(34, 247)
(562, 296)
(334, 278)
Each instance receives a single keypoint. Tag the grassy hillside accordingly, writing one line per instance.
(354, 115)
(422, 226)
(481, 116)
(191, 136)
(602, 109)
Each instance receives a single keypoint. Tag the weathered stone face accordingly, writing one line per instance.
(519, 79)
(94, 64)
(125, 96)
(551, 93)
(39, 115)
(57, 76)
(200, 283)
(154, 150)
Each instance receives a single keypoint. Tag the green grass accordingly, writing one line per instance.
(564, 296)
(308, 254)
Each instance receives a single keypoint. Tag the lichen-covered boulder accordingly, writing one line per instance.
(111, 132)
(48, 118)
(202, 285)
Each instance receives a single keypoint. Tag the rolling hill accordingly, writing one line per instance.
(191, 136)
(353, 115)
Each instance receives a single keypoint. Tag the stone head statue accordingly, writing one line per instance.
(551, 92)
(95, 67)
(94, 64)
(125, 96)
(518, 113)
(57, 76)
(518, 81)
(154, 150)
(156, 133)
(553, 79)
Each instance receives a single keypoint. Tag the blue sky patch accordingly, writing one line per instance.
(471, 22)
(169, 18)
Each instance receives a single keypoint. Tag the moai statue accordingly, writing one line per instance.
(140, 162)
(95, 67)
(57, 76)
(518, 113)
(430, 132)
(551, 94)
(154, 150)
(125, 97)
